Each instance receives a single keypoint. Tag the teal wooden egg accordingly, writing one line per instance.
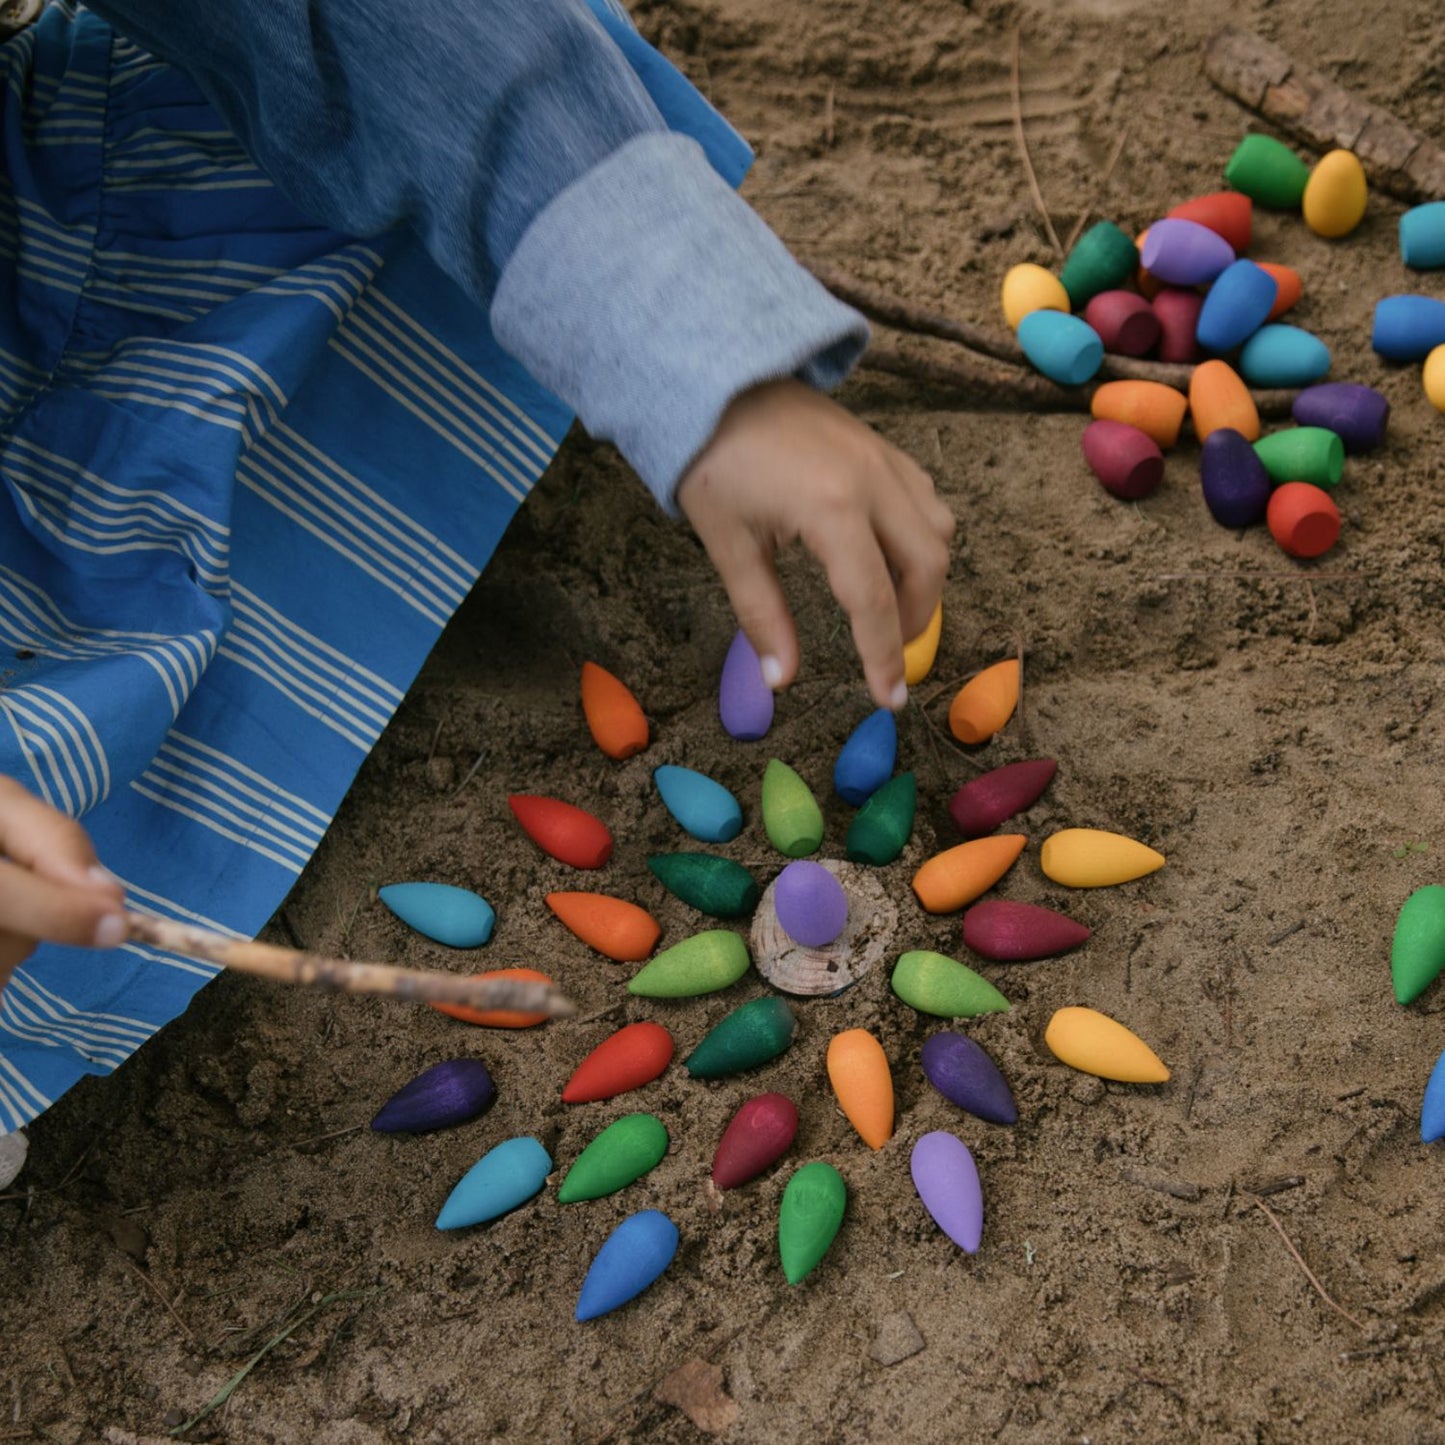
(1280, 355)
(1103, 257)
(704, 963)
(1422, 236)
(701, 806)
(454, 916)
(792, 818)
(1065, 348)
(884, 824)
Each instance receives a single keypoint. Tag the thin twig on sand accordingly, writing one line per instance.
(1299, 1260)
(1018, 115)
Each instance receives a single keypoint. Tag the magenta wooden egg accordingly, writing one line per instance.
(1125, 321)
(1010, 932)
(759, 1134)
(1126, 461)
(982, 803)
(1177, 312)
(810, 903)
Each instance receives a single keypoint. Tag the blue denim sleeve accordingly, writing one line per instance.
(522, 148)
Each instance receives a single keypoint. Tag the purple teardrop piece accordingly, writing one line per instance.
(446, 1094)
(745, 701)
(947, 1182)
(960, 1070)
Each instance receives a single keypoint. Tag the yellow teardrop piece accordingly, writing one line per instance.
(1093, 1043)
(1093, 858)
(918, 655)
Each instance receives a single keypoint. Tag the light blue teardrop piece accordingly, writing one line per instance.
(701, 806)
(454, 916)
(498, 1182)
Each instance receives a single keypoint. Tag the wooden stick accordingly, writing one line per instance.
(1312, 108)
(1018, 120)
(291, 965)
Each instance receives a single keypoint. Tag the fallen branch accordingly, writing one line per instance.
(1313, 109)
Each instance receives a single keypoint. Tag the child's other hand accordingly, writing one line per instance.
(786, 463)
(51, 885)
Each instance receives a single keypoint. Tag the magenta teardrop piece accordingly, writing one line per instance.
(759, 1134)
(1017, 932)
(981, 804)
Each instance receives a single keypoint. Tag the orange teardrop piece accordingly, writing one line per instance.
(858, 1072)
(959, 875)
(635, 1055)
(613, 926)
(985, 703)
(498, 1018)
(615, 718)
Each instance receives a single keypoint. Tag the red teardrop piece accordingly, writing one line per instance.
(1017, 932)
(982, 803)
(633, 1056)
(569, 834)
(760, 1132)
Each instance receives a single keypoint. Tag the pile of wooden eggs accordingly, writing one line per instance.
(1412, 327)
(1185, 292)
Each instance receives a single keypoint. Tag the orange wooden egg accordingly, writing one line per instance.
(498, 1018)
(858, 1072)
(1290, 287)
(985, 703)
(614, 716)
(569, 834)
(613, 926)
(1149, 405)
(1303, 519)
(1219, 398)
(958, 875)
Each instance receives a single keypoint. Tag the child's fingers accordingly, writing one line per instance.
(37, 836)
(36, 907)
(745, 566)
(918, 558)
(14, 950)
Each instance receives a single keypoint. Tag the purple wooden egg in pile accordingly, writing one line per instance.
(1125, 321)
(1184, 253)
(1178, 313)
(1236, 485)
(745, 701)
(1126, 461)
(811, 905)
(1019, 932)
(1356, 414)
(960, 1070)
(982, 803)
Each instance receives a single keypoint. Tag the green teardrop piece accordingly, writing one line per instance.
(623, 1151)
(1418, 953)
(712, 884)
(935, 984)
(703, 963)
(809, 1217)
(750, 1035)
(883, 825)
(791, 815)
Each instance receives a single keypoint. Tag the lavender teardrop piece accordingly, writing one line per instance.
(440, 1097)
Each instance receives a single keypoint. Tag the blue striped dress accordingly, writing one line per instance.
(248, 470)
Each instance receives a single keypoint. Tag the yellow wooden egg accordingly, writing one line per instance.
(1093, 858)
(919, 654)
(1435, 378)
(1093, 1043)
(1028, 288)
(1336, 195)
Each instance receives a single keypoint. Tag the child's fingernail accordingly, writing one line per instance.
(772, 672)
(899, 697)
(111, 931)
(97, 874)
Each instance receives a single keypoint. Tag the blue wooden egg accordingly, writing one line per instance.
(1279, 355)
(454, 916)
(631, 1258)
(1422, 236)
(866, 761)
(1408, 328)
(1432, 1114)
(1235, 483)
(1065, 348)
(744, 699)
(701, 806)
(811, 905)
(1184, 253)
(1237, 305)
(498, 1182)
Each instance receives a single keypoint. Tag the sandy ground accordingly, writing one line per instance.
(1274, 728)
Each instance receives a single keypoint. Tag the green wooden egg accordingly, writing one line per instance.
(882, 826)
(1268, 171)
(809, 1217)
(791, 815)
(750, 1035)
(703, 963)
(1103, 257)
(623, 1152)
(1418, 953)
(1302, 454)
(713, 885)
(935, 984)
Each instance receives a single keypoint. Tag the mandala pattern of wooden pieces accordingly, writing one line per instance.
(947, 1182)
(1095, 858)
(454, 916)
(758, 1135)
(965, 1075)
(809, 1218)
(752, 1034)
(614, 717)
(504, 1177)
(632, 1257)
(613, 926)
(704, 963)
(620, 1155)
(447, 1094)
(499, 1018)
(567, 833)
(1093, 1043)
(635, 1055)
(858, 1071)
(935, 984)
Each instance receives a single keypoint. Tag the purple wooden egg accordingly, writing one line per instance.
(1178, 313)
(1236, 485)
(960, 1070)
(982, 803)
(1238, 304)
(759, 1134)
(1018, 932)
(947, 1182)
(745, 701)
(811, 905)
(1126, 461)
(1184, 253)
(446, 1094)
(1125, 321)
(1356, 414)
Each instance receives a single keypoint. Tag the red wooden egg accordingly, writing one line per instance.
(1017, 932)
(760, 1132)
(633, 1056)
(1125, 321)
(982, 803)
(569, 834)
(1227, 213)
(1303, 519)
(1177, 310)
(1126, 460)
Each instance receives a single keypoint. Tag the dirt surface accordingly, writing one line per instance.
(1274, 727)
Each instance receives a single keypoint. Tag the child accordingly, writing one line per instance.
(253, 464)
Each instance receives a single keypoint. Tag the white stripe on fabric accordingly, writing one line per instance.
(47, 794)
(63, 734)
(292, 804)
(102, 1025)
(178, 961)
(242, 839)
(203, 781)
(26, 1087)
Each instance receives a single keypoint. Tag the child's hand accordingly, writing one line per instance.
(787, 463)
(51, 886)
